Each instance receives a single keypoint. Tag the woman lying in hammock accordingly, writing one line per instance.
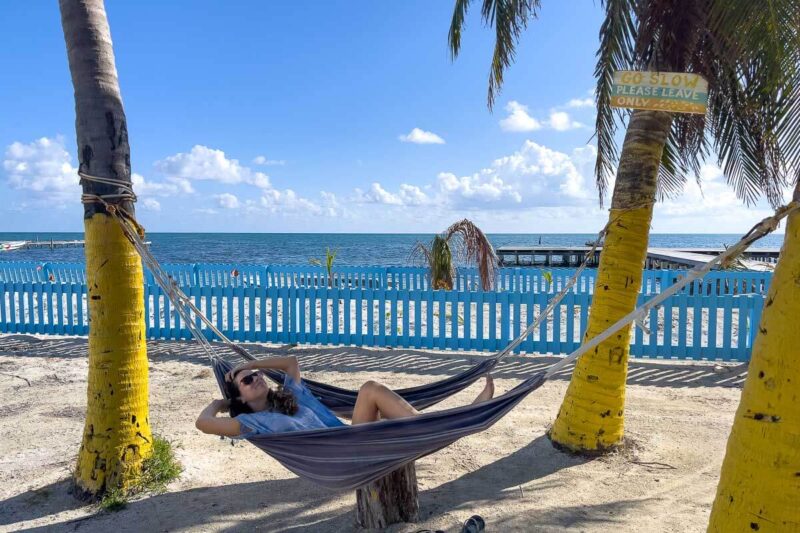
(255, 408)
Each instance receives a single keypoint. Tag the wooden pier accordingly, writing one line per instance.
(51, 244)
(667, 258)
(30, 245)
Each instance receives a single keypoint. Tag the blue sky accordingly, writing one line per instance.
(337, 116)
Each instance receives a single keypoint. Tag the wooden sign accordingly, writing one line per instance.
(676, 92)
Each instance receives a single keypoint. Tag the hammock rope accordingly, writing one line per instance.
(348, 457)
(341, 401)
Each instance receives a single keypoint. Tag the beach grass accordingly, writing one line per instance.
(158, 471)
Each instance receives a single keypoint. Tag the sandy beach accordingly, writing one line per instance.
(678, 419)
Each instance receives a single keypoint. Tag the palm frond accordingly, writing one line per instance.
(686, 148)
(509, 18)
(473, 247)
(457, 27)
(438, 258)
(615, 53)
(754, 106)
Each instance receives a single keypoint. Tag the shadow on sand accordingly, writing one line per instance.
(653, 373)
(282, 505)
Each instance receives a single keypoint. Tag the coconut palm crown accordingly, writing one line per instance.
(468, 244)
(748, 51)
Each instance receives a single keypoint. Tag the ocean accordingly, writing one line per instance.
(352, 248)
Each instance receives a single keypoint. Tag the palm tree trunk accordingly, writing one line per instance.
(591, 414)
(759, 487)
(116, 436)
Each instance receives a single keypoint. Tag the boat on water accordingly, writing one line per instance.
(11, 245)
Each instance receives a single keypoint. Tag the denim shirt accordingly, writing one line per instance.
(311, 414)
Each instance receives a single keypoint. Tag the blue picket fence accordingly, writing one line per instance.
(690, 325)
(514, 279)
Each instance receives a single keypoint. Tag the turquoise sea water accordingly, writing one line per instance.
(352, 248)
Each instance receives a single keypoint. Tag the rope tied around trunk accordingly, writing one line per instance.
(127, 193)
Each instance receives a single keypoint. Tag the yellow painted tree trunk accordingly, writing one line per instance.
(591, 417)
(759, 487)
(116, 437)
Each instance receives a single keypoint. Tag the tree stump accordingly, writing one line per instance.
(389, 500)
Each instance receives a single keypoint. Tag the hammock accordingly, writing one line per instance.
(341, 401)
(347, 457)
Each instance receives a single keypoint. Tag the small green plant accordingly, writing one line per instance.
(114, 500)
(158, 471)
(161, 468)
(548, 277)
(330, 257)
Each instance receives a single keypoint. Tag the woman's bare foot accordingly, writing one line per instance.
(488, 390)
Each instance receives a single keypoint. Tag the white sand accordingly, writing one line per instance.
(678, 419)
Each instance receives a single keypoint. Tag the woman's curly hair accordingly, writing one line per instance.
(278, 401)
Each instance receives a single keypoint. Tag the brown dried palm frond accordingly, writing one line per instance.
(472, 247)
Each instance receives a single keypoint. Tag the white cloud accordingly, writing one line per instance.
(173, 186)
(412, 195)
(288, 201)
(204, 163)
(263, 161)
(379, 195)
(518, 118)
(151, 204)
(43, 167)
(561, 121)
(227, 201)
(533, 176)
(183, 185)
(550, 177)
(407, 195)
(418, 136)
(581, 102)
(484, 187)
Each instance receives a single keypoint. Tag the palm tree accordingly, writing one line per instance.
(747, 51)
(116, 436)
(759, 484)
(469, 244)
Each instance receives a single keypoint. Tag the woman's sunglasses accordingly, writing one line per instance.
(249, 378)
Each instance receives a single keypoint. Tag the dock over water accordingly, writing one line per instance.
(666, 258)
(51, 244)
(30, 245)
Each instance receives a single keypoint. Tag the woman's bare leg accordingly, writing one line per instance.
(376, 401)
(488, 390)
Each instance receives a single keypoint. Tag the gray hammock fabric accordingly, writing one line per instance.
(341, 401)
(348, 457)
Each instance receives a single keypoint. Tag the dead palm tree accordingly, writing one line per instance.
(116, 436)
(748, 52)
(462, 242)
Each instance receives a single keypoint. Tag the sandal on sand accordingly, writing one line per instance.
(474, 524)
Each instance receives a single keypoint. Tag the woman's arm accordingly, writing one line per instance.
(208, 422)
(286, 364)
